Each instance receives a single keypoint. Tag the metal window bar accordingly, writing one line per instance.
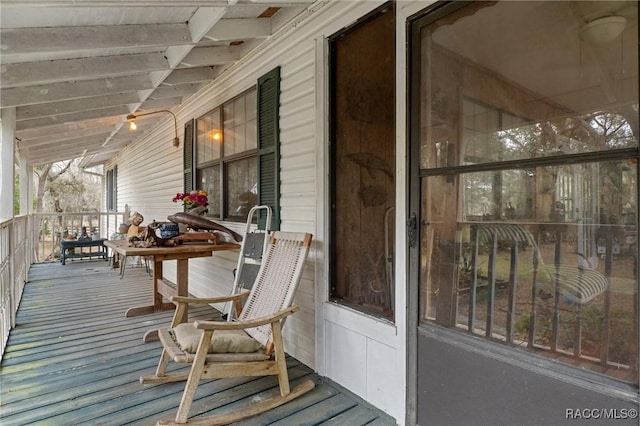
(534, 293)
(475, 240)
(513, 282)
(573, 284)
(491, 296)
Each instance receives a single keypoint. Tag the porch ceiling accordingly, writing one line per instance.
(74, 69)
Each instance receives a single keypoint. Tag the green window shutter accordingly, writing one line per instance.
(189, 159)
(115, 188)
(112, 189)
(269, 145)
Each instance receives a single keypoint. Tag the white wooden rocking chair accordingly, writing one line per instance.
(252, 345)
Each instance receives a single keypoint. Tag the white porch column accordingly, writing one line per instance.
(26, 185)
(7, 135)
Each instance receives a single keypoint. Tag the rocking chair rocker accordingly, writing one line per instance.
(252, 345)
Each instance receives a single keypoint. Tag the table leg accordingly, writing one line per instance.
(181, 290)
(157, 275)
(158, 304)
(182, 283)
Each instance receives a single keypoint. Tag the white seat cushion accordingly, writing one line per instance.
(224, 341)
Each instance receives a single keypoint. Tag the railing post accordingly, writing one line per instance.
(12, 274)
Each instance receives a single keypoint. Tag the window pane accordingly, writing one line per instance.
(252, 125)
(544, 258)
(520, 99)
(209, 180)
(491, 134)
(240, 124)
(251, 134)
(208, 138)
(241, 184)
(229, 129)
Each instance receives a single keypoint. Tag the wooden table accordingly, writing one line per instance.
(161, 287)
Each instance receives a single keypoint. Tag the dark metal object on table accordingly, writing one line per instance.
(201, 223)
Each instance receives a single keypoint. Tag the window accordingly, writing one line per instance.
(363, 165)
(232, 152)
(528, 181)
(112, 189)
(225, 154)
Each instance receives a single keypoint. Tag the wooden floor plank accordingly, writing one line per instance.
(382, 421)
(243, 395)
(86, 336)
(75, 359)
(319, 412)
(166, 395)
(97, 372)
(357, 415)
(319, 394)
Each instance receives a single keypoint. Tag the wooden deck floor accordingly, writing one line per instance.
(74, 359)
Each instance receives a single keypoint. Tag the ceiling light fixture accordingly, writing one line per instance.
(131, 118)
(603, 30)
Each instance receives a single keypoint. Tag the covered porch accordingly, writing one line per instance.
(73, 358)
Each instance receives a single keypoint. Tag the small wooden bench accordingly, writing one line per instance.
(67, 246)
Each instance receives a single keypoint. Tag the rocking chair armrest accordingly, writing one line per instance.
(208, 300)
(240, 325)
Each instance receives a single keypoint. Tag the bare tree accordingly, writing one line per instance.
(45, 175)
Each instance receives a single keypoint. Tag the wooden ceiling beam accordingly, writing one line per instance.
(239, 29)
(18, 96)
(68, 128)
(90, 39)
(83, 134)
(208, 56)
(46, 72)
(120, 110)
(74, 105)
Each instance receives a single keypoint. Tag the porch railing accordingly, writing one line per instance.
(25, 240)
(14, 266)
(50, 228)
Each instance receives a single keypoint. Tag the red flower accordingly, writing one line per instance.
(192, 199)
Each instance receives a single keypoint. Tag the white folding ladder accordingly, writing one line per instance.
(252, 249)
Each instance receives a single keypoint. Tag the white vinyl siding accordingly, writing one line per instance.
(150, 173)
